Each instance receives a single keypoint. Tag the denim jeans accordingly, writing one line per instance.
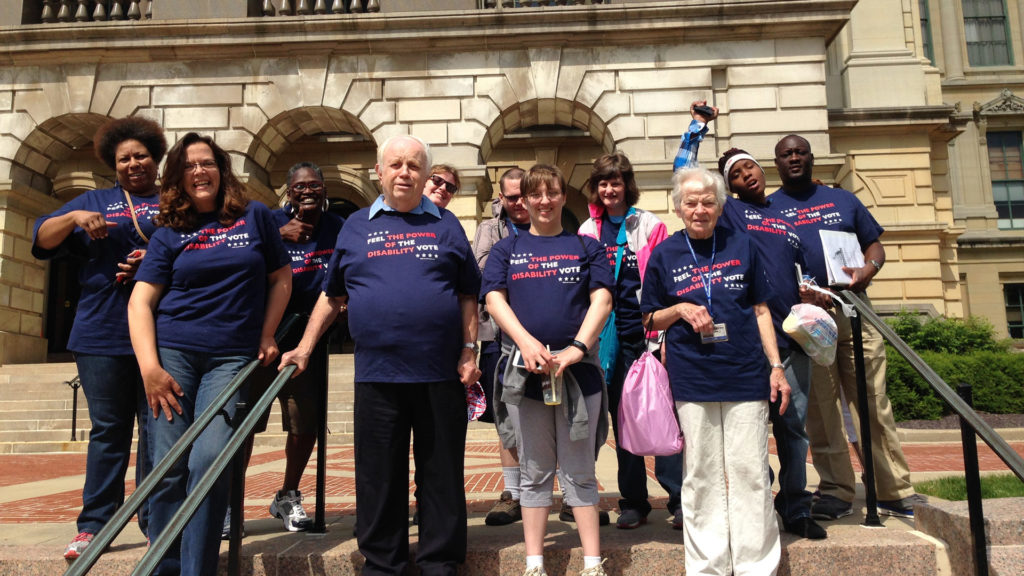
(793, 500)
(202, 377)
(116, 398)
(632, 475)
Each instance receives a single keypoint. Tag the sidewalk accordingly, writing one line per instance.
(41, 495)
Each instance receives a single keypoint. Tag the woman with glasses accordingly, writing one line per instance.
(309, 233)
(207, 301)
(108, 230)
(548, 290)
(442, 184)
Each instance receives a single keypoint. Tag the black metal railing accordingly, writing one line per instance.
(971, 427)
(75, 383)
(232, 452)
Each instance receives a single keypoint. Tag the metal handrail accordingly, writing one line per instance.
(997, 443)
(971, 426)
(120, 518)
(188, 508)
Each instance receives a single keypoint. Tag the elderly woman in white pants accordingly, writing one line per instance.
(705, 286)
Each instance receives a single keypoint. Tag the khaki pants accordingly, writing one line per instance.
(829, 448)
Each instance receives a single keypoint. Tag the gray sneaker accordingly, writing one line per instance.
(903, 508)
(288, 507)
(830, 508)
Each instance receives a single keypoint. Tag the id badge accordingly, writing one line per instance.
(718, 334)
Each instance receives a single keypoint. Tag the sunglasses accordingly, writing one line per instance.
(439, 182)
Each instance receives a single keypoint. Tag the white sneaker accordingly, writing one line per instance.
(288, 507)
(535, 571)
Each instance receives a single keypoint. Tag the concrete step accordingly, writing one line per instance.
(1004, 527)
(499, 551)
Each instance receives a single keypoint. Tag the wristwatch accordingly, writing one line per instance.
(472, 346)
(877, 265)
(779, 366)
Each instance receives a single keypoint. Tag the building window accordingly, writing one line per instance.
(986, 31)
(1005, 166)
(1014, 309)
(926, 31)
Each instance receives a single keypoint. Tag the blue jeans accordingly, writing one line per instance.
(113, 389)
(632, 470)
(793, 500)
(202, 377)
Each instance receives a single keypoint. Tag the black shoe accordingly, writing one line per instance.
(565, 515)
(830, 508)
(677, 519)
(805, 528)
(630, 519)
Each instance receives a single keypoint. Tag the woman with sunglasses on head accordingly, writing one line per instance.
(442, 184)
(108, 229)
(207, 301)
(548, 290)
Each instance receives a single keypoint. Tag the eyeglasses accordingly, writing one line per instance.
(549, 194)
(302, 186)
(439, 182)
(513, 199)
(208, 165)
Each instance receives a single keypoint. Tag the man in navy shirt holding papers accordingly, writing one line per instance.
(811, 209)
(405, 270)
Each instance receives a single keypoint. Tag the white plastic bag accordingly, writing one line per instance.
(814, 330)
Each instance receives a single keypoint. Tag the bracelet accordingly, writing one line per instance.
(779, 366)
(582, 347)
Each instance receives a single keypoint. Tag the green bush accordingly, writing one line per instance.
(951, 335)
(996, 379)
(958, 351)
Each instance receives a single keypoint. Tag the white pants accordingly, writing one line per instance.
(728, 520)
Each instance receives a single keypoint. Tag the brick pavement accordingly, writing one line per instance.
(59, 477)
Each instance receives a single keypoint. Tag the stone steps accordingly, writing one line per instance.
(499, 551)
(36, 409)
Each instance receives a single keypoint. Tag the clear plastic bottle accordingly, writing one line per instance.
(551, 385)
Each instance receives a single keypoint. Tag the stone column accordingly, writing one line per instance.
(952, 41)
(22, 277)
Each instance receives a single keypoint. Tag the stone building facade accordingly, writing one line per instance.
(491, 85)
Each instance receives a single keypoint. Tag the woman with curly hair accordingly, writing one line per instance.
(208, 300)
(108, 230)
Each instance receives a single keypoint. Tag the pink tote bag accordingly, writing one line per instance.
(647, 416)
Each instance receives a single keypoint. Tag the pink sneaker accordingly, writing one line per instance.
(78, 545)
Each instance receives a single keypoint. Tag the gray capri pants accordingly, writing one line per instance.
(544, 446)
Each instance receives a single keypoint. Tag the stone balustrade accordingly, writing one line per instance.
(66, 11)
(538, 3)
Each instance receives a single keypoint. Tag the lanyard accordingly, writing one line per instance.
(513, 229)
(705, 280)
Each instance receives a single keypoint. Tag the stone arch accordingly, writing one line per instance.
(555, 131)
(56, 157)
(336, 140)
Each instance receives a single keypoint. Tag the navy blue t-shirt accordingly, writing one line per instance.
(403, 274)
(824, 208)
(628, 322)
(731, 371)
(548, 280)
(309, 260)
(101, 321)
(779, 247)
(215, 281)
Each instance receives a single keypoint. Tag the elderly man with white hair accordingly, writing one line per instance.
(407, 274)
